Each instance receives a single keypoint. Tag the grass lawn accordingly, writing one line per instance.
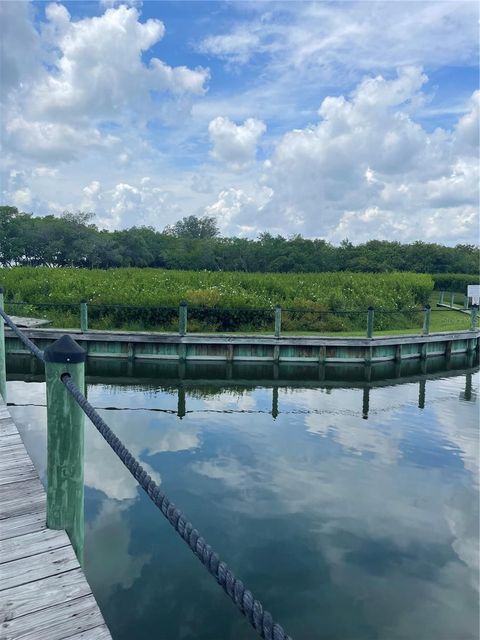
(440, 320)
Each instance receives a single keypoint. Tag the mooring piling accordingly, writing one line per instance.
(65, 441)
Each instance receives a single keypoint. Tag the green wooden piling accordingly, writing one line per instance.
(278, 320)
(452, 298)
(83, 316)
(65, 445)
(442, 295)
(473, 317)
(182, 318)
(426, 320)
(3, 366)
(370, 316)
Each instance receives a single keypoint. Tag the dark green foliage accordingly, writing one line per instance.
(193, 228)
(192, 243)
(455, 281)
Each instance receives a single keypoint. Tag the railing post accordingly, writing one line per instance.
(426, 320)
(371, 313)
(3, 357)
(65, 446)
(452, 299)
(473, 317)
(278, 320)
(83, 316)
(465, 302)
(182, 318)
(442, 295)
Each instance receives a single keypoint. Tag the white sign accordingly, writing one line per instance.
(473, 292)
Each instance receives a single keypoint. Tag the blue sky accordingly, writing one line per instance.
(328, 119)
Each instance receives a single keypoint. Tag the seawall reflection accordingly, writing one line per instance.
(205, 379)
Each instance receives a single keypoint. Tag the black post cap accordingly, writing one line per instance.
(83, 301)
(183, 303)
(65, 350)
(1, 289)
(427, 306)
(371, 308)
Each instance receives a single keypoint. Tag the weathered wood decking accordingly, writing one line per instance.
(44, 594)
(30, 323)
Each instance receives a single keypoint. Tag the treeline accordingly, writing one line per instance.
(72, 240)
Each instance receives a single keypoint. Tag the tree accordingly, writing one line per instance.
(193, 228)
(82, 218)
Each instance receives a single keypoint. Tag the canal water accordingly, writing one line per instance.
(347, 503)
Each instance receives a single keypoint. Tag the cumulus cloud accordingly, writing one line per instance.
(126, 204)
(93, 72)
(368, 169)
(233, 144)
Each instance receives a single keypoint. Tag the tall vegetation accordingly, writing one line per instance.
(220, 301)
(193, 243)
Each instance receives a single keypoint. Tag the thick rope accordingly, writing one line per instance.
(26, 341)
(251, 608)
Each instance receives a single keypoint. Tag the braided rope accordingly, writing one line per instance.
(26, 341)
(251, 608)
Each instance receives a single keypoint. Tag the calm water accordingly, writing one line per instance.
(351, 512)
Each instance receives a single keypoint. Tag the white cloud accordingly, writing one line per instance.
(126, 205)
(467, 129)
(237, 46)
(96, 76)
(20, 46)
(349, 37)
(234, 144)
(367, 169)
(235, 209)
(41, 172)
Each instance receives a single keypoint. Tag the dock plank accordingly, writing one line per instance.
(34, 596)
(18, 498)
(7, 441)
(43, 591)
(31, 544)
(16, 474)
(61, 621)
(36, 567)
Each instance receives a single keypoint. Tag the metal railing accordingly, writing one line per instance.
(186, 319)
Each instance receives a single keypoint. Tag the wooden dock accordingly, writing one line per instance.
(44, 594)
